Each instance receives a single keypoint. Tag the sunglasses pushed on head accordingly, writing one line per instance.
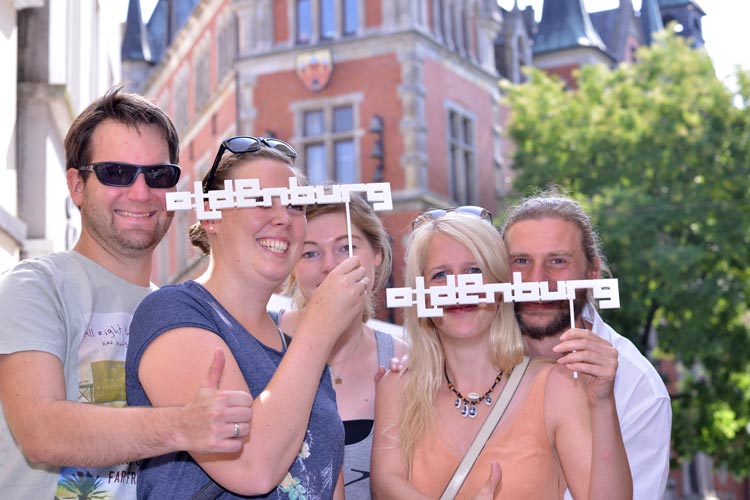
(246, 144)
(437, 213)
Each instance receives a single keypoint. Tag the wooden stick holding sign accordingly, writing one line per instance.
(349, 229)
(572, 325)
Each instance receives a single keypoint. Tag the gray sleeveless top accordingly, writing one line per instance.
(357, 454)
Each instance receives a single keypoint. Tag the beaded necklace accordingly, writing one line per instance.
(468, 404)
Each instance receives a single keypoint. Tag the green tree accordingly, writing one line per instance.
(659, 152)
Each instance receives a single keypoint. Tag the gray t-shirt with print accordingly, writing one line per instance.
(66, 305)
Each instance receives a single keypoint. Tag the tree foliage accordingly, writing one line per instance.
(659, 152)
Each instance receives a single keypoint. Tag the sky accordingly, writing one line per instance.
(724, 26)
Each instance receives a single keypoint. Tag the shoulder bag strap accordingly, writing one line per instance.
(485, 431)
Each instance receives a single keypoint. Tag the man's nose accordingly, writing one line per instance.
(536, 272)
(139, 190)
(330, 261)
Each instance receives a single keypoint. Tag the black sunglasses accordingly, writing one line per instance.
(246, 144)
(436, 213)
(118, 174)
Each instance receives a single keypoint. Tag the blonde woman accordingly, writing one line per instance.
(360, 352)
(557, 430)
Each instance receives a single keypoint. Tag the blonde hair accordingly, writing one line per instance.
(426, 358)
(366, 220)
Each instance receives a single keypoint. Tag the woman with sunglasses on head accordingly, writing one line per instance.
(361, 354)
(556, 430)
(294, 447)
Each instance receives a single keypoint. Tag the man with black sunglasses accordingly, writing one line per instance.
(64, 322)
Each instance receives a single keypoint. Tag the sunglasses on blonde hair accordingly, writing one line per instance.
(437, 213)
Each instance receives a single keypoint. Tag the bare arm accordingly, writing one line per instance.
(398, 362)
(281, 412)
(338, 493)
(584, 412)
(388, 474)
(51, 430)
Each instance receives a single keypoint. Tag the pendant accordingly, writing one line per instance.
(473, 412)
(465, 410)
(488, 401)
(337, 381)
(458, 403)
(473, 396)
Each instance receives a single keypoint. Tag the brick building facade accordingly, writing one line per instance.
(410, 98)
(401, 91)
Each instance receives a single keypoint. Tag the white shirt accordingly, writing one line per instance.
(644, 410)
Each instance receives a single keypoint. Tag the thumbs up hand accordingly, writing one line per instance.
(488, 489)
(216, 421)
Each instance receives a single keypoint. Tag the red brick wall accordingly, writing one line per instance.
(476, 100)
(281, 28)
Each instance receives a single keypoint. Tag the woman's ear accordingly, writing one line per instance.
(378, 258)
(76, 186)
(209, 225)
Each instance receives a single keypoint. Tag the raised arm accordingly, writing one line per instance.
(281, 413)
(51, 430)
(388, 474)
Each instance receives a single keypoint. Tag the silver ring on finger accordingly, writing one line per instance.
(236, 430)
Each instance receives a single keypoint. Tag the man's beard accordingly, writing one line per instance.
(101, 226)
(557, 324)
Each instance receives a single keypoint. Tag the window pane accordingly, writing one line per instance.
(455, 132)
(467, 131)
(461, 157)
(315, 164)
(314, 123)
(438, 18)
(327, 19)
(303, 21)
(351, 16)
(447, 24)
(346, 171)
(343, 119)
(465, 31)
